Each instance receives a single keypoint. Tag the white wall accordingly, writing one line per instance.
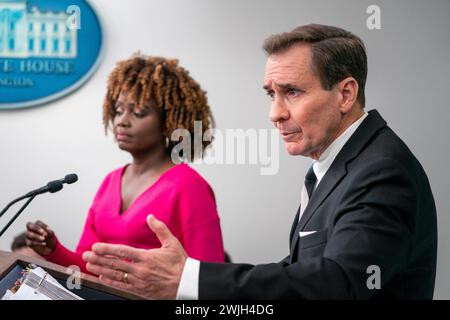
(220, 43)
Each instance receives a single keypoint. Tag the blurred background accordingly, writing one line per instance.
(220, 43)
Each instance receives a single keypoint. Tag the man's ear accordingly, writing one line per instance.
(348, 91)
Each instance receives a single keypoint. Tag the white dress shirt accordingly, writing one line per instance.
(322, 165)
(189, 282)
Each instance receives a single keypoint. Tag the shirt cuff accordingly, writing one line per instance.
(188, 287)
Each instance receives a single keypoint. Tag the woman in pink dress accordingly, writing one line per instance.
(146, 100)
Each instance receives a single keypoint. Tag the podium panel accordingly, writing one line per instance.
(12, 266)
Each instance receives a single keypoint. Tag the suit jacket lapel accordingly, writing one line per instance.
(326, 185)
(294, 237)
(337, 171)
(333, 176)
(294, 227)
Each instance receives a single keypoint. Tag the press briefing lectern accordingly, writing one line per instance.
(11, 266)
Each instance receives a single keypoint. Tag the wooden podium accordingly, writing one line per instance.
(11, 266)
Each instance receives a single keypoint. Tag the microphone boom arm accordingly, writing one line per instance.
(17, 214)
(11, 203)
(52, 187)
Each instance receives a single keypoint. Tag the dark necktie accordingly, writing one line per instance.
(310, 181)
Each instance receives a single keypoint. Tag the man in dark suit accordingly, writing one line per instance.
(366, 225)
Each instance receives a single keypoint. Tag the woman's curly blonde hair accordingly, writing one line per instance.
(180, 99)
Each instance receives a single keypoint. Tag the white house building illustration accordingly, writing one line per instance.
(28, 32)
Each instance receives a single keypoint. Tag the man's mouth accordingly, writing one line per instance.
(289, 135)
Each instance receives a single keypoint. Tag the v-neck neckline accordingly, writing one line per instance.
(132, 204)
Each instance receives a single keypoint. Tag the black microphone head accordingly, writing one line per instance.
(54, 186)
(70, 178)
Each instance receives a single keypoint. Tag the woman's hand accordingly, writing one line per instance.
(40, 238)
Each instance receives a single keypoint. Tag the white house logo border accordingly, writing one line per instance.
(79, 83)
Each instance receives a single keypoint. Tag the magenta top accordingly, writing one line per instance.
(180, 198)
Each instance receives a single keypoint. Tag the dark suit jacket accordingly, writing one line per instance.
(373, 207)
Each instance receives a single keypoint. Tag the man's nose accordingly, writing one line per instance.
(278, 111)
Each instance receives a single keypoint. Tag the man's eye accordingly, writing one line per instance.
(271, 94)
(292, 92)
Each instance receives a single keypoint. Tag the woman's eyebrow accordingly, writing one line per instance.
(131, 105)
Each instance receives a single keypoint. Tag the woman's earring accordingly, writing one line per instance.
(167, 142)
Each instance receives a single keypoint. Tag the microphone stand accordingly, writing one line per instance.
(52, 187)
(13, 202)
(17, 214)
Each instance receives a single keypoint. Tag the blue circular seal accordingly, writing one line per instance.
(48, 49)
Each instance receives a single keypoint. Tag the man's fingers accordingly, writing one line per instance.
(107, 262)
(117, 275)
(114, 283)
(118, 250)
(160, 229)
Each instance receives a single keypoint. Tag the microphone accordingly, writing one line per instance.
(51, 187)
(70, 178)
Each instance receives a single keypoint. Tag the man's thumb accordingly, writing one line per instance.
(160, 229)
